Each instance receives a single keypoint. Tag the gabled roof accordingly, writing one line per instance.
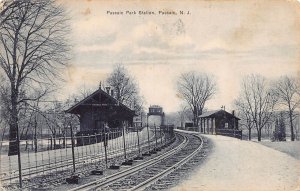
(209, 113)
(213, 113)
(155, 106)
(101, 92)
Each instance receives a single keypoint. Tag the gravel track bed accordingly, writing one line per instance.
(145, 174)
(182, 173)
(56, 181)
(89, 178)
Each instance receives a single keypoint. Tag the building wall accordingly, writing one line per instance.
(95, 120)
(157, 110)
(226, 123)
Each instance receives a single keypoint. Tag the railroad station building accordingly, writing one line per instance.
(101, 109)
(219, 122)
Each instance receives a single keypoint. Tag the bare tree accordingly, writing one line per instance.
(6, 5)
(258, 100)
(138, 104)
(244, 112)
(35, 124)
(33, 50)
(4, 105)
(184, 114)
(124, 86)
(287, 88)
(181, 114)
(196, 89)
(83, 92)
(51, 116)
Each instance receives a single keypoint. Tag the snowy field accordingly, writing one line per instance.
(289, 147)
(237, 165)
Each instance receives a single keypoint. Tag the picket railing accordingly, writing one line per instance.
(230, 133)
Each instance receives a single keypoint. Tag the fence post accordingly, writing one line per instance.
(73, 154)
(105, 146)
(74, 178)
(148, 135)
(138, 139)
(165, 132)
(161, 140)
(19, 158)
(124, 143)
(155, 137)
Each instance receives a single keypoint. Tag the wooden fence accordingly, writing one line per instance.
(230, 133)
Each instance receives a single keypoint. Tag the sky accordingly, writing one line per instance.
(226, 39)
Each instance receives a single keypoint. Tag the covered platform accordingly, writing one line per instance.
(219, 122)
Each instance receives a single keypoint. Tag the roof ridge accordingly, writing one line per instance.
(92, 94)
(211, 112)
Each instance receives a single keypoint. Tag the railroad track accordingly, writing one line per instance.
(67, 163)
(144, 174)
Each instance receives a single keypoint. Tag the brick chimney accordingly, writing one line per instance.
(112, 93)
(107, 89)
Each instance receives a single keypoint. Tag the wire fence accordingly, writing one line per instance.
(51, 159)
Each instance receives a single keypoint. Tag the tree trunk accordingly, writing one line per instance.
(268, 131)
(13, 126)
(259, 134)
(195, 116)
(26, 145)
(292, 126)
(195, 119)
(35, 134)
(3, 133)
(249, 134)
(54, 142)
(64, 141)
(35, 142)
(204, 126)
(51, 143)
(26, 137)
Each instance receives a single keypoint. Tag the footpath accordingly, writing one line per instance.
(238, 165)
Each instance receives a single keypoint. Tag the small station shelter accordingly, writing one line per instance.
(220, 122)
(101, 109)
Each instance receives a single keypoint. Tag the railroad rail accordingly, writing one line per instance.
(144, 174)
(67, 163)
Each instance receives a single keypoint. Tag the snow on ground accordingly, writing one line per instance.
(242, 165)
(10, 164)
(289, 147)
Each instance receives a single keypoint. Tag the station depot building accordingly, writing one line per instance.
(219, 122)
(101, 110)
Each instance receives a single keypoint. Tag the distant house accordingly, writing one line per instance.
(140, 120)
(219, 122)
(188, 124)
(101, 109)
